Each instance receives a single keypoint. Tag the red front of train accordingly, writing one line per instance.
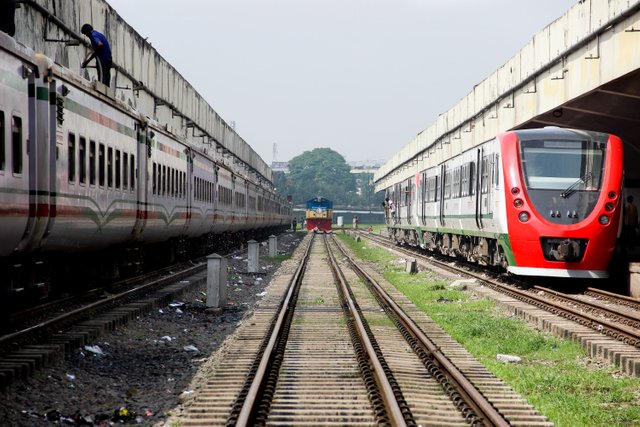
(563, 193)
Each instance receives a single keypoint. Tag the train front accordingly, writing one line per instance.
(563, 201)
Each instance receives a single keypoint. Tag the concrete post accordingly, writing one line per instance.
(216, 281)
(273, 246)
(412, 266)
(252, 256)
(340, 223)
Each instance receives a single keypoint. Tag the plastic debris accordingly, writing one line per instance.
(178, 311)
(71, 377)
(176, 304)
(191, 348)
(508, 358)
(261, 294)
(167, 338)
(94, 349)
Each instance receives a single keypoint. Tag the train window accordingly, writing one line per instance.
(164, 180)
(118, 169)
(154, 177)
(110, 167)
(464, 180)
(447, 185)
(132, 172)
(71, 160)
(125, 175)
(563, 164)
(485, 175)
(3, 158)
(496, 170)
(101, 159)
(456, 183)
(82, 160)
(472, 178)
(92, 162)
(16, 144)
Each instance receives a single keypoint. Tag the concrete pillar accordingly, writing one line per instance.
(412, 266)
(216, 281)
(253, 255)
(273, 246)
(340, 219)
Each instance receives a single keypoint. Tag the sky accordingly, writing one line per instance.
(361, 77)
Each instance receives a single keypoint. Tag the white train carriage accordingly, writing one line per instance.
(169, 181)
(92, 175)
(18, 73)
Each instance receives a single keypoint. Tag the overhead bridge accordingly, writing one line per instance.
(581, 71)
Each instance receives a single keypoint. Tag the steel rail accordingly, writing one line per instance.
(473, 397)
(247, 412)
(393, 409)
(619, 332)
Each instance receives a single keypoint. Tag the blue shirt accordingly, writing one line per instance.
(104, 51)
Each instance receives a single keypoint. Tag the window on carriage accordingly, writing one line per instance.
(82, 161)
(125, 168)
(118, 169)
(16, 144)
(71, 158)
(101, 171)
(484, 183)
(447, 185)
(132, 172)
(109, 167)
(154, 178)
(455, 190)
(92, 162)
(472, 178)
(496, 170)
(163, 180)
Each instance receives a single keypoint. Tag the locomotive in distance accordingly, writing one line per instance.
(536, 202)
(319, 214)
(89, 183)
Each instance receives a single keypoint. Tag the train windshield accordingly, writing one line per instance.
(565, 165)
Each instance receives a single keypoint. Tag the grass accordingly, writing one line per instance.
(555, 375)
(278, 258)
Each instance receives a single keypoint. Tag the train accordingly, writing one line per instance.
(534, 202)
(319, 214)
(88, 184)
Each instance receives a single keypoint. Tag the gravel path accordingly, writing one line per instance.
(145, 368)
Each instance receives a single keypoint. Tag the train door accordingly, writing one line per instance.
(441, 192)
(187, 190)
(408, 196)
(423, 199)
(142, 175)
(41, 146)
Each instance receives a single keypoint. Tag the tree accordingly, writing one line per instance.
(322, 172)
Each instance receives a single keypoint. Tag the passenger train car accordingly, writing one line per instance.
(538, 202)
(85, 180)
(319, 214)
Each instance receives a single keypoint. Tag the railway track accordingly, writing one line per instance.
(74, 322)
(336, 345)
(601, 314)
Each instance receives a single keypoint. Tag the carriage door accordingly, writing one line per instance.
(440, 191)
(423, 198)
(408, 194)
(144, 154)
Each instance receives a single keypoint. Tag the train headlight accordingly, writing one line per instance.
(608, 207)
(612, 194)
(604, 219)
(518, 203)
(515, 190)
(523, 216)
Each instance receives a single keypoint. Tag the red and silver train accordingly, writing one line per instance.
(82, 173)
(538, 202)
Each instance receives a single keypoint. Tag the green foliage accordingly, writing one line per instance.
(321, 172)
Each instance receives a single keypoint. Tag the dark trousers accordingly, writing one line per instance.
(105, 71)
